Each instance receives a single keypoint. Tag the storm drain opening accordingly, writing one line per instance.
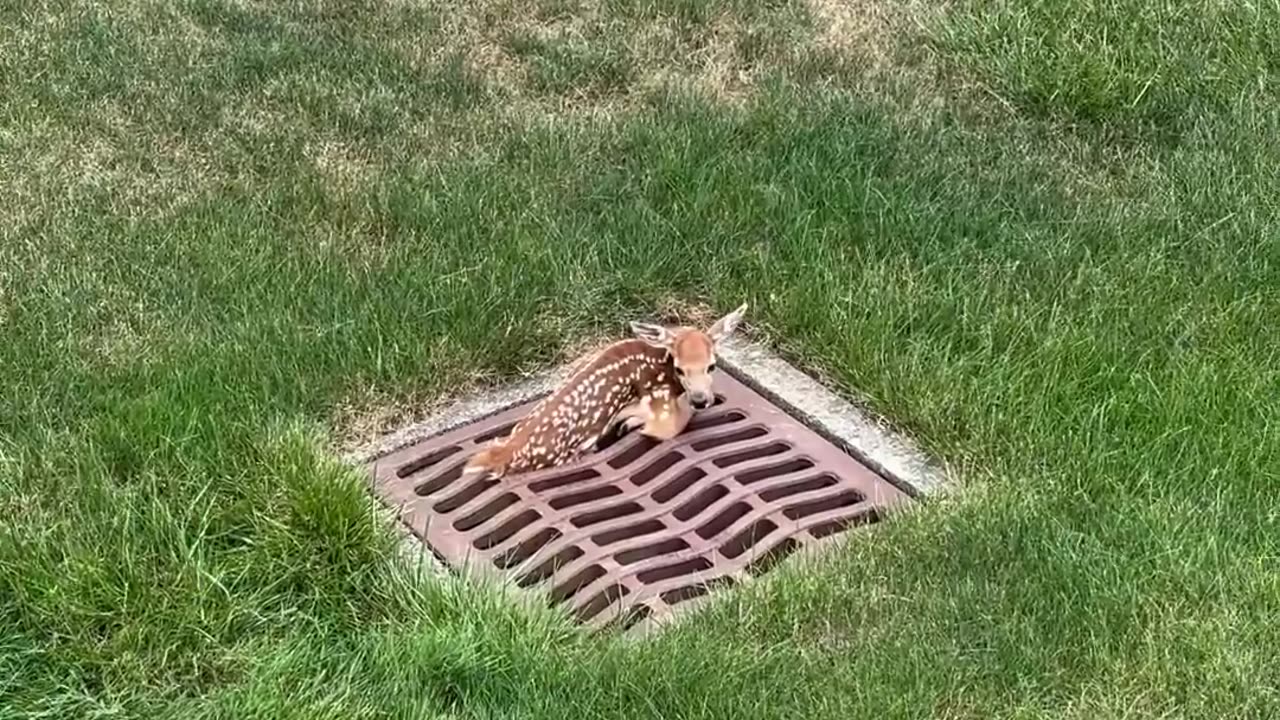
(638, 529)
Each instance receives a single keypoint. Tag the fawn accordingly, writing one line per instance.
(652, 382)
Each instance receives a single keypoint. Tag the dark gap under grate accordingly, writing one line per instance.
(631, 531)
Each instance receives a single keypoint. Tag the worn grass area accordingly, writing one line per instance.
(1041, 237)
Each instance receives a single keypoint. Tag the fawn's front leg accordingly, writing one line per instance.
(660, 418)
(669, 417)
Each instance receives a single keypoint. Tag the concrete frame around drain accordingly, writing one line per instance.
(890, 454)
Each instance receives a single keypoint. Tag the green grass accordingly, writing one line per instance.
(232, 231)
(1157, 68)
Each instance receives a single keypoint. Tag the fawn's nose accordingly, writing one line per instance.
(700, 400)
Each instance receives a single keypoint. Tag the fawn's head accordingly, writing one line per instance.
(692, 352)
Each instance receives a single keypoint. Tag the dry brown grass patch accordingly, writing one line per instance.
(677, 310)
(862, 28)
(710, 66)
(873, 41)
(477, 31)
(663, 52)
(345, 167)
(368, 415)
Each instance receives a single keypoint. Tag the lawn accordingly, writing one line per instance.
(236, 237)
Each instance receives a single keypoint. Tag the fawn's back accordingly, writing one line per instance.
(573, 418)
(651, 382)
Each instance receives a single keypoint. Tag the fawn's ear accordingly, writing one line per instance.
(727, 324)
(655, 335)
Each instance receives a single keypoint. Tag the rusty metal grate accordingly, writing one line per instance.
(639, 527)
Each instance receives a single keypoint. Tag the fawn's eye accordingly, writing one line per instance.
(680, 372)
(711, 368)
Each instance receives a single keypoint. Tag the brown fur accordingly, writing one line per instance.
(650, 383)
(578, 413)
